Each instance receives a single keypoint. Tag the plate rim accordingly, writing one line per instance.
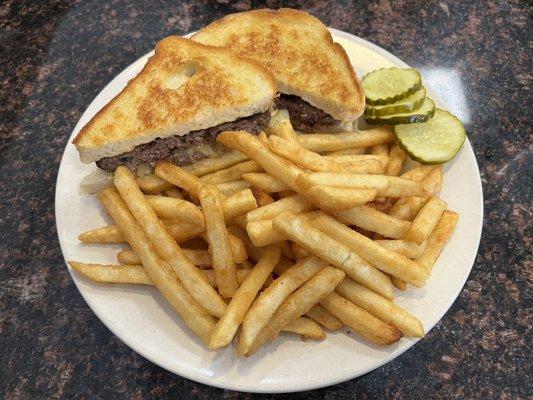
(272, 388)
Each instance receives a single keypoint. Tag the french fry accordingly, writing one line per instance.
(230, 188)
(219, 244)
(418, 173)
(296, 203)
(237, 249)
(397, 157)
(110, 234)
(380, 149)
(348, 152)
(264, 307)
(380, 257)
(228, 324)
(382, 204)
(239, 221)
(437, 239)
(212, 164)
(334, 198)
(275, 165)
(387, 186)
(262, 197)
(106, 234)
(298, 303)
(174, 193)
(128, 257)
(232, 173)
(168, 207)
(381, 308)
(337, 254)
(286, 193)
(340, 158)
(210, 276)
(134, 274)
(372, 167)
(341, 141)
(238, 204)
(280, 125)
(253, 252)
(360, 320)
(403, 247)
(263, 138)
(262, 233)
(286, 249)
(432, 182)
(303, 157)
(398, 283)
(283, 265)
(426, 220)
(374, 221)
(183, 231)
(299, 251)
(318, 314)
(165, 245)
(112, 273)
(197, 318)
(152, 184)
(179, 177)
(265, 182)
(408, 208)
(200, 258)
(305, 327)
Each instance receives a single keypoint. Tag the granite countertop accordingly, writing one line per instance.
(57, 55)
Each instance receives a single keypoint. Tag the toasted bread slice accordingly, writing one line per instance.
(299, 51)
(185, 86)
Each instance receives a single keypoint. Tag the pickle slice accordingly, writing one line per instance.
(387, 85)
(422, 114)
(433, 142)
(410, 103)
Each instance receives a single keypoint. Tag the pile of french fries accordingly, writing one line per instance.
(282, 232)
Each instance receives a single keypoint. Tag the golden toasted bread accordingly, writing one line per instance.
(185, 86)
(299, 51)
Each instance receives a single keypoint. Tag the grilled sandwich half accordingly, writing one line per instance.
(318, 84)
(175, 107)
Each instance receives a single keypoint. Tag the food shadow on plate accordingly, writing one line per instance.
(368, 348)
(145, 291)
(88, 202)
(176, 319)
(412, 292)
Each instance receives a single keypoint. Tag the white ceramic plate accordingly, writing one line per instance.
(140, 317)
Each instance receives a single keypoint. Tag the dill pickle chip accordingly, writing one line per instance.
(410, 103)
(387, 85)
(422, 114)
(433, 142)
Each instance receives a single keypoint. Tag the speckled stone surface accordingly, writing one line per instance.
(57, 55)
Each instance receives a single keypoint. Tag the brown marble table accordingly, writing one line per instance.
(57, 55)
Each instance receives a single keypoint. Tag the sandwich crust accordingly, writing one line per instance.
(185, 86)
(299, 51)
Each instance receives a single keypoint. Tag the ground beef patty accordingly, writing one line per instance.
(303, 115)
(177, 149)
